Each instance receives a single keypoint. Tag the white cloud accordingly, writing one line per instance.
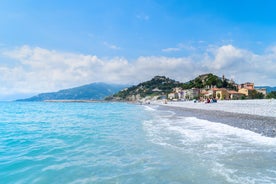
(40, 70)
(111, 46)
(171, 49)
(179, 47)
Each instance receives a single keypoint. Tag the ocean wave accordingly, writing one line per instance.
(227, 151)
(150, 108)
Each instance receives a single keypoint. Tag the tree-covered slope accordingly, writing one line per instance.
(159, 85)
(210, 80)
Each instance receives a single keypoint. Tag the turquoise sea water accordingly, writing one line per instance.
(125, 143)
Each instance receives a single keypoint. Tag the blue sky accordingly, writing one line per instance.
(49, 45)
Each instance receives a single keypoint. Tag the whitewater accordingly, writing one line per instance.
(126, 143)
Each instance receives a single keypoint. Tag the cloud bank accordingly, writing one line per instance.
(34, 69)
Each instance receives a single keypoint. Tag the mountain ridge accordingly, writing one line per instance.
(93, 91)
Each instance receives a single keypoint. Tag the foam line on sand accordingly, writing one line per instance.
(264, 125)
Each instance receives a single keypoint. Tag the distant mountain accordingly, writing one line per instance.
(94, 91)
(268, 88)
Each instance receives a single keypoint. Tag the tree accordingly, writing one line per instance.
(272, 94)
(224, 83)
(256, 95)
(219, 83)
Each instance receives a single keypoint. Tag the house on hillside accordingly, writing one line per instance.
(177, 93)
(246, 88)
(247, 85)
(262, 90)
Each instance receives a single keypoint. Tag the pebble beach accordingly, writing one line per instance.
(255, 115)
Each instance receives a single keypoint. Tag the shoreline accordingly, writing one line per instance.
(263, 125)
(262, 107)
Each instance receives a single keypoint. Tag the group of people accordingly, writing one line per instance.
(207, 100)
(212, 100)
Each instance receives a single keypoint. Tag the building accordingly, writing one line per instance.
(204, 94)
(172, 96)
(262, 90)
(208, 93)
(245, 91)
(234, 95)
(177, 93)
(222, 94)
(191, 93)
(246, 88)
(247, 85)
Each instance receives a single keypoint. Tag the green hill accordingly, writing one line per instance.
(209, 80)
(159, 85)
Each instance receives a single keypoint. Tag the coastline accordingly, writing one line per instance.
(74, 101)
(264, 125)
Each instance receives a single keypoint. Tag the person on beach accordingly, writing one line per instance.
(214, 100)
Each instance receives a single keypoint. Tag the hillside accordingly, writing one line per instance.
(209, 80)
(159, 85)
(94, 91)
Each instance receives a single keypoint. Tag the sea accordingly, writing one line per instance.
(83, 143)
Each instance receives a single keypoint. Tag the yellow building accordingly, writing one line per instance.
(245, 91)
(234, 95)
(222, 94)
(247, 85)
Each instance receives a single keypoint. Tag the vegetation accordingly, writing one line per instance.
(159, 85)
(255, 95)
(272, 94)
(208, 81)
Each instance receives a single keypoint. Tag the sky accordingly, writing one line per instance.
(49, 45)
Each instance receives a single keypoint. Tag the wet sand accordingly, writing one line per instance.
(263, 125)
